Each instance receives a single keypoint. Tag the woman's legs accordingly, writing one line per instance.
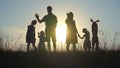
(67, 47)
(74, 47)
(28, 45)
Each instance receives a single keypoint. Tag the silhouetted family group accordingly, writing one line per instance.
(71, 35)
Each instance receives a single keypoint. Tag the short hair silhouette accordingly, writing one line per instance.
(33, 22)
(42, 33)
(49, 9)
(84, 30)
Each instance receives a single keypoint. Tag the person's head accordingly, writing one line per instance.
(84, 30)
(42, 33)
(70, 15)
(33, 22)
(49, 9)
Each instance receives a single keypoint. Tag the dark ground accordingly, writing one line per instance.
(102, 59)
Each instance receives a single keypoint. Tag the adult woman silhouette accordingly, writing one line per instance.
(71, 35)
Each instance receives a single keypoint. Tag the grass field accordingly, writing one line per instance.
(101, 59)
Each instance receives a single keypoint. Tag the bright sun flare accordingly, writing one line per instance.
(61, 33)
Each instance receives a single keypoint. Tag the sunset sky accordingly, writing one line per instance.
(18, 14)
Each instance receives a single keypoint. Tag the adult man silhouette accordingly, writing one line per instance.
(50, 22)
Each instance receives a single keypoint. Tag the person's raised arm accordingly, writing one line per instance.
(37, 16)
(79, 36)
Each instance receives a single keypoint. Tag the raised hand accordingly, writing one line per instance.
(36, 15)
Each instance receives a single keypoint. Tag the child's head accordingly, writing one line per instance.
(42, 33)
(33, 22)
(84, 30)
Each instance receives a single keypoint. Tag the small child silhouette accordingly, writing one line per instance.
(87, 43)
(41, 37)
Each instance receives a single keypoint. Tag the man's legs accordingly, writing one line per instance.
(47, 32)
(53, 35)
(54, 45)
(49, 47)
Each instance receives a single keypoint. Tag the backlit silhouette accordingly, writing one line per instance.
(87, 43)
(51, 22)
(71, 35)
(30, 36)
(95, 42)
(41, 37)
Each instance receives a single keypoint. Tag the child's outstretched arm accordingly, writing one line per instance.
(79, 35)
(83, 36)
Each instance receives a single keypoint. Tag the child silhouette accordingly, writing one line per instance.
(41, 37)
(95, 41)
(87, 43)
(30, 35)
